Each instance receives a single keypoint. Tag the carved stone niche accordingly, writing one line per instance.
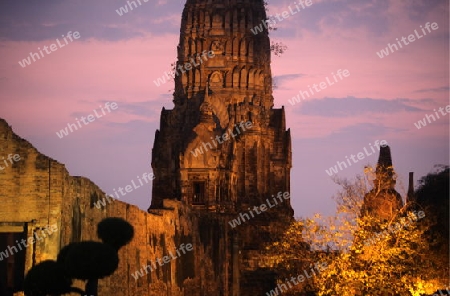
(217, 26)
(216, 80)
(217, 47)
(218, 60)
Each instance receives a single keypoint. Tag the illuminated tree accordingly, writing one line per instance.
(365, 255)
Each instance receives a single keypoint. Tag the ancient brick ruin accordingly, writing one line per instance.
(215, 98)
(223, 105)
(223, 148)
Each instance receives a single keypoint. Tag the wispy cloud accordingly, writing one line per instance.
(173, 19)
(374, 17)
(93, 19)
(369, 130)
(351, 106)
(161, 2)
(147, 109)
(281, 79)
(436, 89)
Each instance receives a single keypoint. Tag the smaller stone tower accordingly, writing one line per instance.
(411, 195)
(383, 201)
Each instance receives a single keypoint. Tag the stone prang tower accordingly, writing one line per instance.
(223, 148)
(383, 201)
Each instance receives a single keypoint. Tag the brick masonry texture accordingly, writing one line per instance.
(38, 191)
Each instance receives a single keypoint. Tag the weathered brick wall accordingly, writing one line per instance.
(40, 189)
(155, 235)
(30, 192)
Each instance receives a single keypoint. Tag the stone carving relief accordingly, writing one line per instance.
(216, 79)
(217, 21)
(217, 47)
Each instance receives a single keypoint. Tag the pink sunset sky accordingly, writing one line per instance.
(117, 58)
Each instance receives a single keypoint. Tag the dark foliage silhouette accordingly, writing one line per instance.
(47, 278)
(90, 260)
(115, 232)
(87, 260)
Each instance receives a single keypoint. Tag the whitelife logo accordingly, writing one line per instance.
(161, 261)
(224, 137)
(423, 123)
(271, 21)
(11, 158)
(413, 217)
(49, 230)
(128, 189)
(342, 165)
(124, 9)
(52, 47)
(186, 67)
(90, 118)
(411, 38)
(323, 85)
(263, 207)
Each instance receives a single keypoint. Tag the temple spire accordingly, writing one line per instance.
(385, 173)
(238, 62)
(410, 195)
(383, 201)
(223, 148)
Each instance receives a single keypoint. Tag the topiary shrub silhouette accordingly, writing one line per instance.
(115, 232)
(90, 260)
(48, 278)
(87, 260)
